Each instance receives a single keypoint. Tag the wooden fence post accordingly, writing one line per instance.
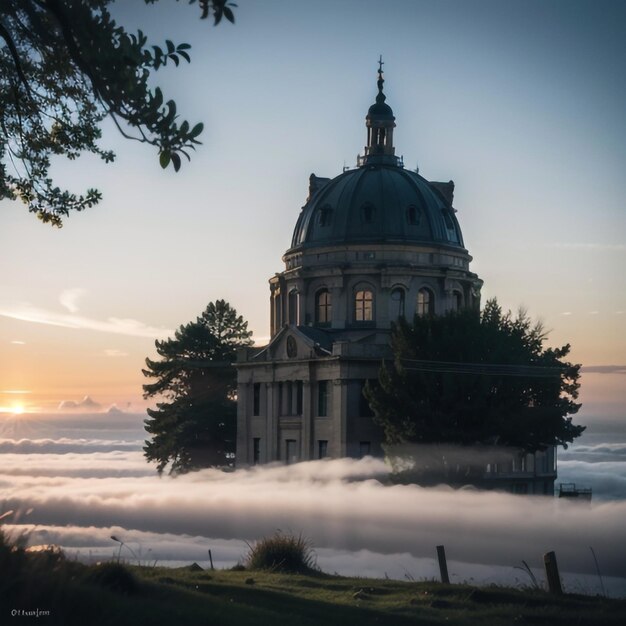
(552, 573)
(443, 566)
(211, 559)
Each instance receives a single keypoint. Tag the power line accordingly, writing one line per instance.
(485, 369)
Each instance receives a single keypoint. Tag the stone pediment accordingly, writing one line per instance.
(293, 342)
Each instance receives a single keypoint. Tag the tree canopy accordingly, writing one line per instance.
(195, 424)
(476, 379)
(65, 65)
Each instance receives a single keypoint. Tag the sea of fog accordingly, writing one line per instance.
(75, 480)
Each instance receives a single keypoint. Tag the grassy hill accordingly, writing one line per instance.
(132, 595)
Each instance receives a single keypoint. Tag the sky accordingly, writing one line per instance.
(520, 103)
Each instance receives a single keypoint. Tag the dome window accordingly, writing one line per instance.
(368, 212)
(425, 302)
(324, 217)
(364, 306)
(450, 228)
(413, 215)
(323, 307)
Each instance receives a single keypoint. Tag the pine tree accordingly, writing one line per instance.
(475, 379)
(195, 425)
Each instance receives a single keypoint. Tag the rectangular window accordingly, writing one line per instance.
(291, 455)
(256, 399)
(299, 397)
(364, 448)
(322, 449)
(322, 398)
(256, 450)
(289, 398)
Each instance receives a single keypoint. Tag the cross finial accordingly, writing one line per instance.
(380, 64)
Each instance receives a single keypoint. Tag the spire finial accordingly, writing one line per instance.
(381, 96)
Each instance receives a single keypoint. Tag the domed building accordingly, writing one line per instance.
(375, 243)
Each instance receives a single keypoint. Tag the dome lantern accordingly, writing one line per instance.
(380, 123)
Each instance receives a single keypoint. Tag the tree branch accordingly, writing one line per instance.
(4, 33)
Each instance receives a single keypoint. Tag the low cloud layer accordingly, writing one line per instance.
(64, 445)
(332, 502)
(79, 477)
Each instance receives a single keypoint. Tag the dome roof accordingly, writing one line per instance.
(377, 203)
(380, 110)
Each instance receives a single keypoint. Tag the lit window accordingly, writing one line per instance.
(397, 303)
(364, 306)
(323, 307)
(425, 302)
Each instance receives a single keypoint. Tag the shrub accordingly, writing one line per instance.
(113, 576)
(283, 553)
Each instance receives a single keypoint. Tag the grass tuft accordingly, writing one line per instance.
(113, 576)
(282, 553)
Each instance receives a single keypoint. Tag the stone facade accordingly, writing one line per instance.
(373, 244)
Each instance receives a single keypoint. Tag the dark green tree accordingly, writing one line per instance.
(65, 65)
(473, 379)
(195, 424)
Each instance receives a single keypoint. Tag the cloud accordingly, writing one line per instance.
(607, 479)
(604, 369)
(114, 352)
(17, 342)
(85, 403)
(90, 477)
(69, 298)
(338, 504)
(616, 247)
(63, 445)
(114, 325)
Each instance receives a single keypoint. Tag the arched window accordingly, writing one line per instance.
(364, 306)
(323, 307)
(397, 303)
(425, 302)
